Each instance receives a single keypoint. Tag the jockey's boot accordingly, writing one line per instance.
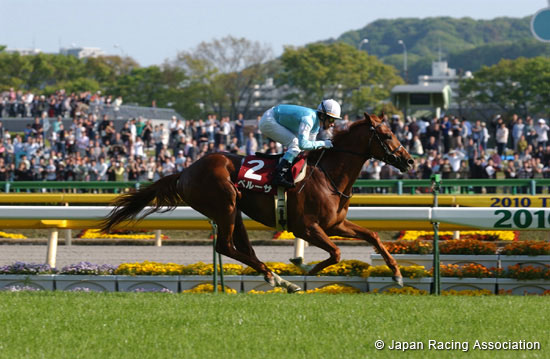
(282, 174)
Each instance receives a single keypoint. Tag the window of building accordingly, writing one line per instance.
(420, 98)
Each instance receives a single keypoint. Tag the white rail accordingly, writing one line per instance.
(486, 217)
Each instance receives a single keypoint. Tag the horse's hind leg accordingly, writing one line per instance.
(352, 230)
(240, 237)
(242, 244)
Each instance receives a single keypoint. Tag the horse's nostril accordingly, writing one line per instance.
(411, 162)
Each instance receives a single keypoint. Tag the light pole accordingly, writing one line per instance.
(404, 59)
(364, 41)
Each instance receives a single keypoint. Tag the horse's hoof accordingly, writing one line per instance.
(398, 280)
(298, 261)
(293, 288)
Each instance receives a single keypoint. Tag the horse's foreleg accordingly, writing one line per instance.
(351, 230)
(315, 235)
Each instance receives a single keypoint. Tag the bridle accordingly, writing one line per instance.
(389, 157)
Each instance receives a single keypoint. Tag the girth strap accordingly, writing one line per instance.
(281, 214)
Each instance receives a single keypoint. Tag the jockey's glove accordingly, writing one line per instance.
(328, 143)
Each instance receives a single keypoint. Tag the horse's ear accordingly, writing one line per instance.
(367, 117)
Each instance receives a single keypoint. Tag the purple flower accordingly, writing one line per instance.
(88, 268)
(27, 268)
(143, 290)
(80, 289)
(19, 288)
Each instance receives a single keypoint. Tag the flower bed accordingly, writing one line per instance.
(118, 234)
(529, 248)
(27, 268)
(12, 235)
(345, 277)
(448, 235)
(209, 288)
(523, 272)
(285, 235)
(467, 246)
(468, 270)
(408, 247)
(407, 272)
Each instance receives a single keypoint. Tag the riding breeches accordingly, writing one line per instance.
(277, 132)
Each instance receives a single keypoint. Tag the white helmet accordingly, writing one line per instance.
(330, 107)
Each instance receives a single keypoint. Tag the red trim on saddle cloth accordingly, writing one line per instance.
(256, 173)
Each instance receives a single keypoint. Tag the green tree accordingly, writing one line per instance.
(336, 70)
(224, 73)
(519, 86)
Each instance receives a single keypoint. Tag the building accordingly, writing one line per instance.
(82, 52)
(433, 95)
(442, 74)
(422, 100)
(24, 52)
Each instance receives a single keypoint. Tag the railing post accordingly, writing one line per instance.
(400, 187)
(533, 187)
(436, 185)
(158, 238)
(216, 257)
(52, 248)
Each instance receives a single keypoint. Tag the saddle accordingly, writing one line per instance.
(256, 174)
(257, 171)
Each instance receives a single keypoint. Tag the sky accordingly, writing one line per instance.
(152, 31)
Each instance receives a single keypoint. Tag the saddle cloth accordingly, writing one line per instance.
(257, 171)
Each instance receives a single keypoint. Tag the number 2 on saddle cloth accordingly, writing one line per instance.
(256, 173)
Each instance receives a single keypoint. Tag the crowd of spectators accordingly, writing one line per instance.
(91, 149)
(455, 148)
(26, 104)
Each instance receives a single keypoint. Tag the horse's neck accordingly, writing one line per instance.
(343, 168)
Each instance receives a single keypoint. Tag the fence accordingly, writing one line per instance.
(411, 186)
(56, 217)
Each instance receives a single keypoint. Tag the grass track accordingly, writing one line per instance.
(153, 325)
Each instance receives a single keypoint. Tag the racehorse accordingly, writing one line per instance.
(317, 207)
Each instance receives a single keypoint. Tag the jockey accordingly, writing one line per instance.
(296, 128)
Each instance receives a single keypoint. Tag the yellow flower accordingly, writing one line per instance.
(209, 288)
(271, 291)
(335, 289)
(12, 235)
(404, 290)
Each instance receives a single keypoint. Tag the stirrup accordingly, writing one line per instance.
(279, 180)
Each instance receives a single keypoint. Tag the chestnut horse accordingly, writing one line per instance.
(317, 207)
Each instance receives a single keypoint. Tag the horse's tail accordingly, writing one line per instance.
(161, 194)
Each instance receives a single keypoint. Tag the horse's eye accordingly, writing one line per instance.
(387, 136)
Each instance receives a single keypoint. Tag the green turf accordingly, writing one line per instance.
(154, 325)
